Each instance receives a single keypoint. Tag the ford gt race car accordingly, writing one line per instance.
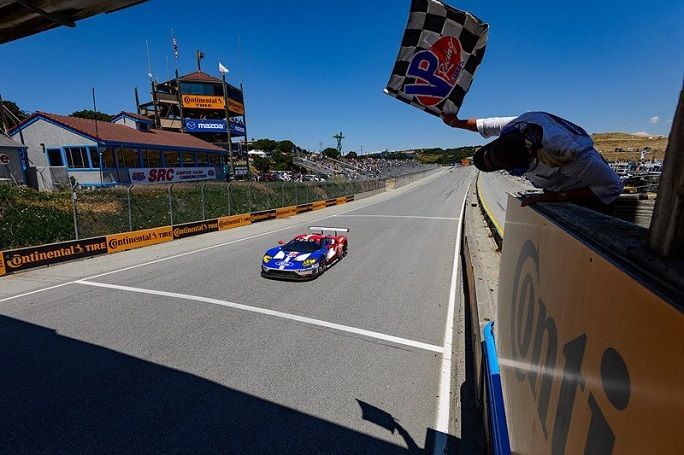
(307, 256)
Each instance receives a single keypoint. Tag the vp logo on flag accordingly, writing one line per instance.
(435, 70)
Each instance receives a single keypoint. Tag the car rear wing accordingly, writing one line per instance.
(323, 229)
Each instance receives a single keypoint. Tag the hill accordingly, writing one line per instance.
(444, 156)
(626, 147)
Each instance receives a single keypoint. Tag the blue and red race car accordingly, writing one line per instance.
(307, 256)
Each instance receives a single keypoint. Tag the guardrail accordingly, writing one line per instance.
(496, 226)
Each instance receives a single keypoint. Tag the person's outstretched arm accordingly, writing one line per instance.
(487, 127)
(454, 122)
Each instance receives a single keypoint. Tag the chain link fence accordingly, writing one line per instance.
(28, 217)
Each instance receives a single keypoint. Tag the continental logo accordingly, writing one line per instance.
(286, 212)
(304, 208)
(138, 239)
(330, 202)
(349, 198)
(262, 216)
(318, 205)
(2, 264)
(190, 229)
(341, 200)
(26, 258)
(230, 222)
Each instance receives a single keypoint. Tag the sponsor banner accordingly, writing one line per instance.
(304, 208)
(286, 212)
(330, 202)
(181, 231)
(2, 264)
(341, 200)
(349, 198)
(26, 258)
(318, 205)
(240, 170)
(263, 216)
(213, 126)
(212, 102)
(230, 222)
(4, 159)
(583, 362)
(138, 239)
(148, 176)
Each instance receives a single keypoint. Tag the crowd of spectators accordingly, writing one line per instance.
(362, 168)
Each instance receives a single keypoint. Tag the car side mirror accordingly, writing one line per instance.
(280, 242)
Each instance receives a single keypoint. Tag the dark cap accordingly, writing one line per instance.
(507, 152)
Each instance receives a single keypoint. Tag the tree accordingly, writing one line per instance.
(352, 155)
(92, 115)
(14, 111)
(262, 164)
(331, 153)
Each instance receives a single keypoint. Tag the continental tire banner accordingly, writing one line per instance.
(286, 212)
(318, 205)
(330, 202)
(591, 359)
(138, 239)
(341, 200)
(349, 198)
(230, 222)
(212, 102)
(263, 216)
(301, 208)
(181, 231)
(2, 264)
(26, 258)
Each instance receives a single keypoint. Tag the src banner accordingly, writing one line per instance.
(440, 51)
(145, 176)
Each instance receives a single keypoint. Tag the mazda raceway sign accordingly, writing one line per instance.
(213, 126)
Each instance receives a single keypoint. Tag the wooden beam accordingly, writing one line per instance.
(666, 236)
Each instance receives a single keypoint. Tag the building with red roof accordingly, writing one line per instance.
(63, 150)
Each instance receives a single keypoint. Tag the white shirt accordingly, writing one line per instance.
(585, 167)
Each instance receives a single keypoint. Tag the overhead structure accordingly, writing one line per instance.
(339, 138)
(21, 18)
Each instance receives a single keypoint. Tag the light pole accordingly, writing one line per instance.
(223, 70)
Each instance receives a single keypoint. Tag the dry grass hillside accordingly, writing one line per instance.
(606, 143)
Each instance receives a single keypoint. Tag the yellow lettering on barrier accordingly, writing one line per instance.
(286, 212)
(138, 239)
(583, 362)
(341, 200)
(318, 205)
(2, 263)
(230, 222)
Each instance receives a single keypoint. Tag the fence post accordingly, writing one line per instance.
(204, 215)
(249, 197)
(296, 194)
(130, 215)
(229, 201)
(168, 191)
(268, 195)
(282, 204)
(74, 210)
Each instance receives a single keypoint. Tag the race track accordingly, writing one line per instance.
(185, 348)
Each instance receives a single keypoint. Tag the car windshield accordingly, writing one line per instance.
(302, 246)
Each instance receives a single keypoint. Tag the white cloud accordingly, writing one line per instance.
(653, 120)
(642, 133)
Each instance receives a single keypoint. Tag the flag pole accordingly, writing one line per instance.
(97, 139)
(228, 133)
(244, 122)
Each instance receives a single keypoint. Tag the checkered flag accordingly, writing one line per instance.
(440, 51)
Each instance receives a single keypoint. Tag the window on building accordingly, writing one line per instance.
(202, 159)
(215, 159)
(108, 160)
(127, 157)
(171, 159)
(152, 158)
(188, 159)
(94, 157)
(77, 157)
(54, 157)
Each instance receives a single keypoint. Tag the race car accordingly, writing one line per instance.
(307, 256)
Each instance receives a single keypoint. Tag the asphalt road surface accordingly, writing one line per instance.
(185, 348)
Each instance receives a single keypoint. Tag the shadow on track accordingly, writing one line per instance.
(61, 395)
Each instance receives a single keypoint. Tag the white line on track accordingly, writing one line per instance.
(444, 218)
(277, 314)
(429, 179)
(443, 407)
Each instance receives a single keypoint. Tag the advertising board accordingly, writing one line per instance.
(211, 102)
(148, 176)
(180, 231)
(230, 222)
(213, 126)
(138, 239)
(26, 258)
(591, 359)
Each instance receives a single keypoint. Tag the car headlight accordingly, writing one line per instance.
(267, 258)
(309, 262)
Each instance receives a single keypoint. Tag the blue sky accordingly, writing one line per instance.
(312, 68)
